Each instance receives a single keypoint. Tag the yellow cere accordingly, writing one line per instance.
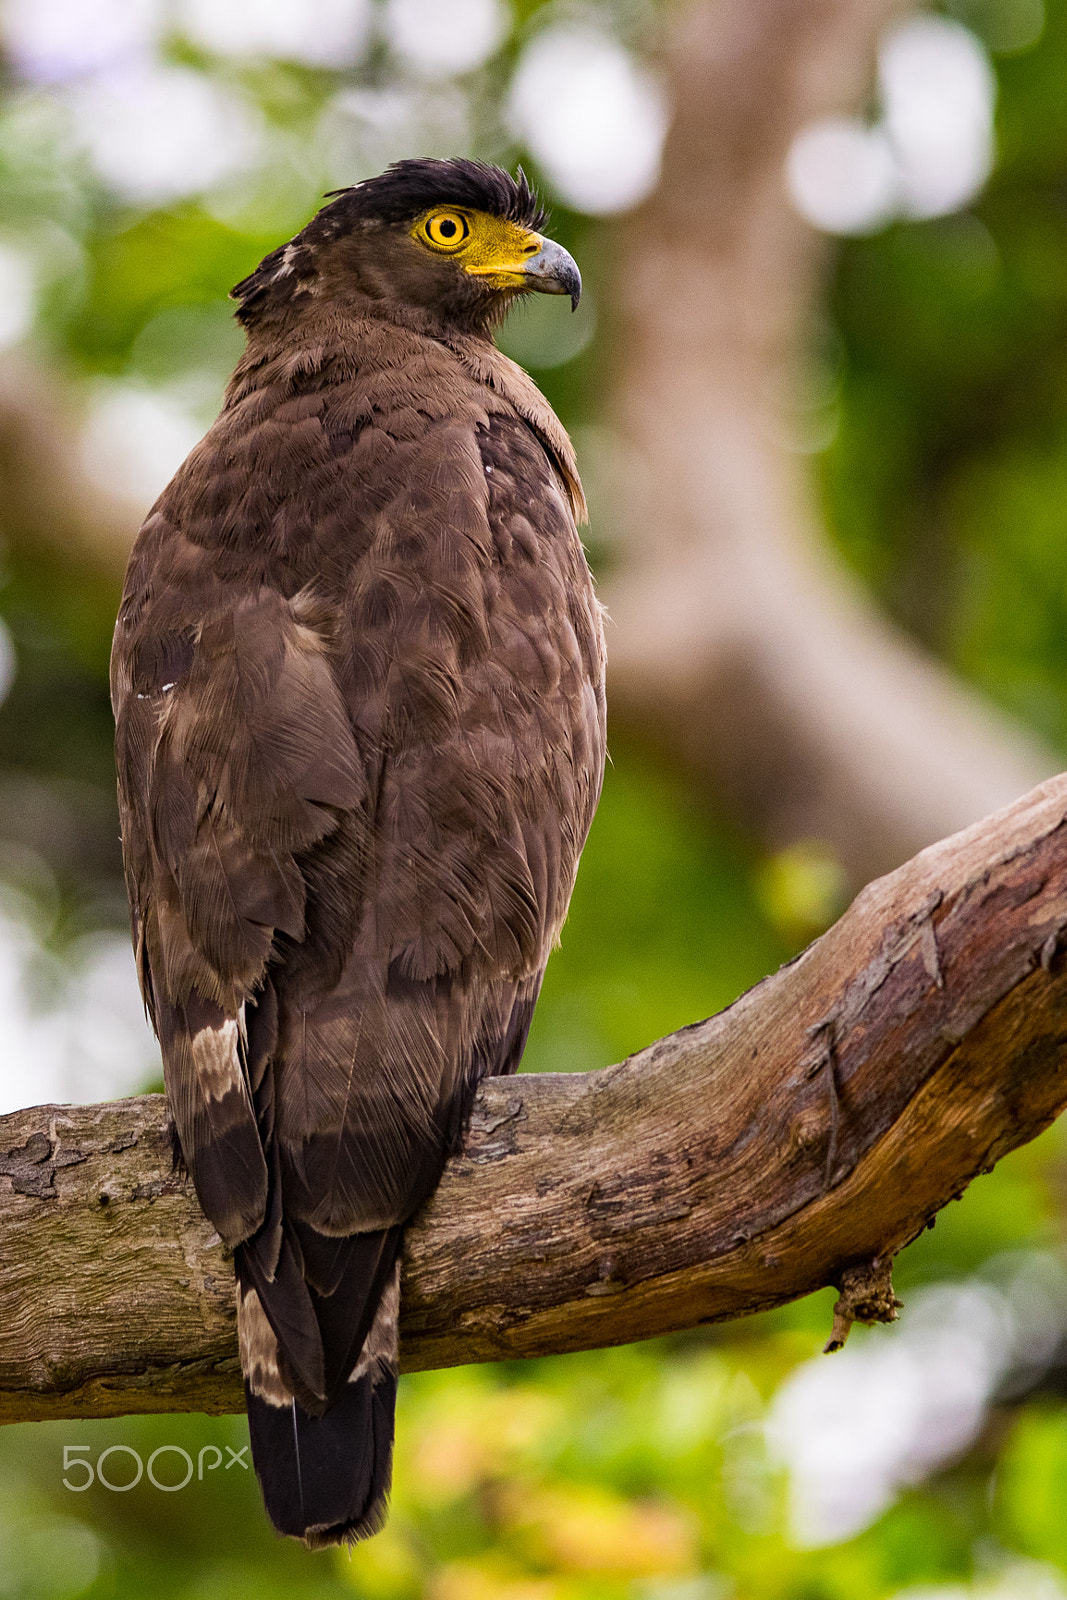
(488, 247)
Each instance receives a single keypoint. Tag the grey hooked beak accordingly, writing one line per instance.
(554, 271)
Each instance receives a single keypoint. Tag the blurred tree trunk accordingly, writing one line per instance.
(740, 646)
(49, 506)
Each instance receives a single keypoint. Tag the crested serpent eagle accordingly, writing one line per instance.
(358, 680)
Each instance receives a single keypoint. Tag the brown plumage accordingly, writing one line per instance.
(358, 680)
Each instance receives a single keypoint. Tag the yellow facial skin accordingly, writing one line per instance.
(486, 247)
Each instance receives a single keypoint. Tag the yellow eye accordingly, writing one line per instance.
(446, 230)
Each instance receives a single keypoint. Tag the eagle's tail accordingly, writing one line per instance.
(323, 1459)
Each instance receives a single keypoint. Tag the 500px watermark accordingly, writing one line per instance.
(159, 1471)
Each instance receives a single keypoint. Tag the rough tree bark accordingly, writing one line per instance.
(740, 645)
(800, 1138)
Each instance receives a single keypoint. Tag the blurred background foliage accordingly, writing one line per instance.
(149, 155)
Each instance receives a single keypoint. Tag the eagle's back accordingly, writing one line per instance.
(358, 682)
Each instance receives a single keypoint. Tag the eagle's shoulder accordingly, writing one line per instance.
(380, 374)
(512, 389)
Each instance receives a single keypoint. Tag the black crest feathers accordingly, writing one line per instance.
(407, 188)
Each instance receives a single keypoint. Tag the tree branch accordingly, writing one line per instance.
(800, 1138)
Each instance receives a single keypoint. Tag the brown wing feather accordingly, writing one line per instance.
(227, 771)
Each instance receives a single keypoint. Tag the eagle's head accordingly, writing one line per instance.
(450, 241)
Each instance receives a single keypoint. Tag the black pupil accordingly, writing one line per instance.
(448, 228)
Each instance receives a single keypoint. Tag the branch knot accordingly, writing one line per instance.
(866, 1296)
